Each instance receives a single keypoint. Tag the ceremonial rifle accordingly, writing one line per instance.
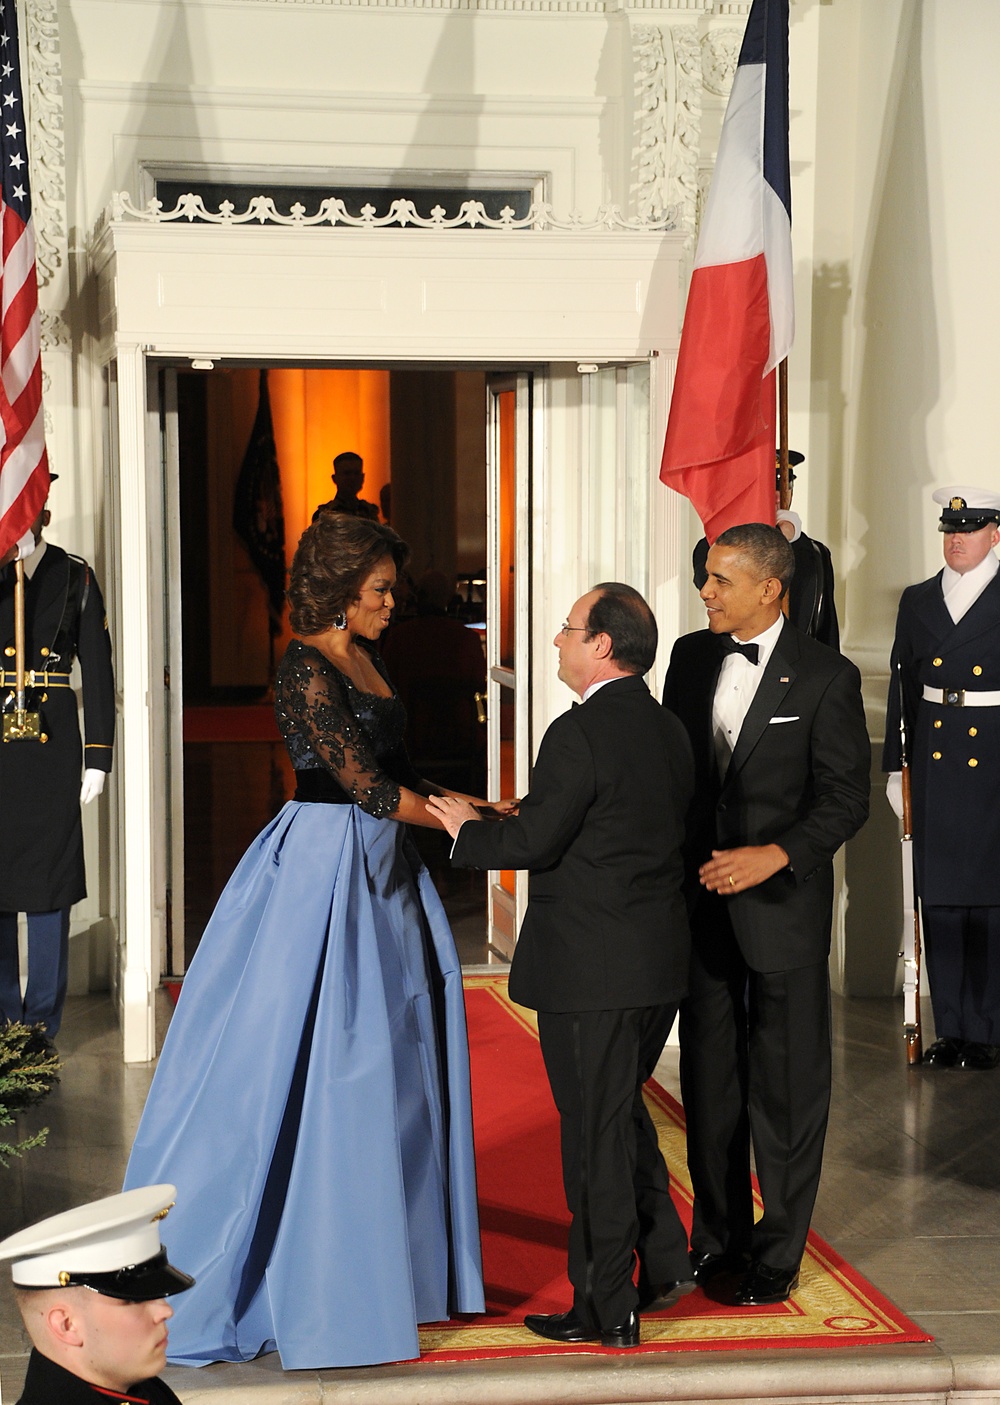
(911, 911)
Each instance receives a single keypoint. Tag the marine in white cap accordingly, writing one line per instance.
(945, 681)
(91, 1285)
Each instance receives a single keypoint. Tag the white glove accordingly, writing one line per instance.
(894, 792)
(93, 784)
(794, 521)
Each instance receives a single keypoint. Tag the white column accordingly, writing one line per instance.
(139, 975)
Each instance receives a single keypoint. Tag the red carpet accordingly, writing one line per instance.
(524, 1225)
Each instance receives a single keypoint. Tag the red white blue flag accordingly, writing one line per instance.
(739, 320)
(24, 467)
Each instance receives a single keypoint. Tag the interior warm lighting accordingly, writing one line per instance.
(318, 414)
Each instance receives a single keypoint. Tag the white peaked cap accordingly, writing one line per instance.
(112, 1245)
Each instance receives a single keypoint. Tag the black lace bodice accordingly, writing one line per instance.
(328, 724)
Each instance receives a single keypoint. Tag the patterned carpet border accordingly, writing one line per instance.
(833, 1306)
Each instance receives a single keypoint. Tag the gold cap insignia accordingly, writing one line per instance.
(957, 503)
(162, 1214)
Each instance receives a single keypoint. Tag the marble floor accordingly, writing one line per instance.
(910, 1196)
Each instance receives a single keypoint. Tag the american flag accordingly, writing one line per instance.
(24, 466)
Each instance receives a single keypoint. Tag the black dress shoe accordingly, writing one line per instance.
(764, 1284)
(980, 1056)
(568, 1327)
(705, 1267)
(657, 1297)
(625, 1334)
(560, 1327)
(943, 1053)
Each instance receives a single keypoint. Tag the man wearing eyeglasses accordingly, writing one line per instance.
(602, 954)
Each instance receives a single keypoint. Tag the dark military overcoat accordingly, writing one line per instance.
(41, 864)
(954, 750)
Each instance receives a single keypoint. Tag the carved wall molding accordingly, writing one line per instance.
(53, 330)
(683, 183)
(652, 59)
(720, 52)
(402, 213)
(46, 144)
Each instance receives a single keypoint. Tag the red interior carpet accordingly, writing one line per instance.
(524, 1225)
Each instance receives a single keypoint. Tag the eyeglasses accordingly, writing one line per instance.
(567, 628)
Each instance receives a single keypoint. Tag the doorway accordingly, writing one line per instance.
(422, 437)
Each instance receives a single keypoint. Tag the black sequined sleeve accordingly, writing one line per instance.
(315, 702)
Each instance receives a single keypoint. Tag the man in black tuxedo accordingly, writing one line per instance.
(782, 763)
(603, 954)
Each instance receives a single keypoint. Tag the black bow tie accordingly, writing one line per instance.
(751, 652)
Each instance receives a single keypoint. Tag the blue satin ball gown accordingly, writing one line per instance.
(312, 1101)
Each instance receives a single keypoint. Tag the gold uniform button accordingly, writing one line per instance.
(44, 737)
(44, 652)
(973, 761)
(9, 651)
(973, 731)
(937, 722)
(936, 662)
(937, 756)
(977, 670)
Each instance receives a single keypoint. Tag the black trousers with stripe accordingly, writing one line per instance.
(616, 1180)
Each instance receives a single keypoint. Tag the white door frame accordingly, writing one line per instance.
(343, 296)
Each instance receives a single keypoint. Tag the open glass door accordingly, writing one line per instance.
(173, 690)
(508, 634)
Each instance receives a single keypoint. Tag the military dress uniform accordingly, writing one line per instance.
(945, 679)
(43, 872)
(48, 1383)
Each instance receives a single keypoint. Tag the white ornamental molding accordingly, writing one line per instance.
(46, 144)
(53, 331)
(402, 214)
(720, 52)
(652, 105)
(515, 7)
(684, 155)
(706, 169)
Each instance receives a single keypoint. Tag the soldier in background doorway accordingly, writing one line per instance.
(42, 873)
(811, 606)
(349, 478)
(945, 675)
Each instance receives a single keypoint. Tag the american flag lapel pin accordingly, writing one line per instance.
(783, 680)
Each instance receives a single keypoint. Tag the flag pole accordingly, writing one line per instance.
(785, 487)
(20, 725)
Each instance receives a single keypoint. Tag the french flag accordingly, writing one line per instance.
(739, 320)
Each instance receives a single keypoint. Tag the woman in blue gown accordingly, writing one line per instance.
(312, 1102)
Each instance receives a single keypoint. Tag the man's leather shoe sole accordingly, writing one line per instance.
(567, 1327)
(763, 1285)
(657, 1297)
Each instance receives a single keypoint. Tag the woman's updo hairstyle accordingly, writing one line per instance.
(332, 561)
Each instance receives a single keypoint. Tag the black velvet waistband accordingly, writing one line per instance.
(320, 788)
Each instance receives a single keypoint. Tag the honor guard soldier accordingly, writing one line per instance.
(91, 1285)
(946, 680)
(40, 780)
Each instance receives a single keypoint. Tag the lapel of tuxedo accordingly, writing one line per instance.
(779, 675)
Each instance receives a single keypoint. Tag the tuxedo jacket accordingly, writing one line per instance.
(798, 777)
(954, 752)
(601, 832)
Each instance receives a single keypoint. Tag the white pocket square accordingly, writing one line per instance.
(783, 719)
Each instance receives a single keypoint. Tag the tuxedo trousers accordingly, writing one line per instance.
(616, 1180)
(755, 1069)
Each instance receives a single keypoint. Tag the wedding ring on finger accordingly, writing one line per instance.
(732, 881)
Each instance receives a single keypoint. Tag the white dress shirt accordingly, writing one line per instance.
(962, 591)
(738, 682)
